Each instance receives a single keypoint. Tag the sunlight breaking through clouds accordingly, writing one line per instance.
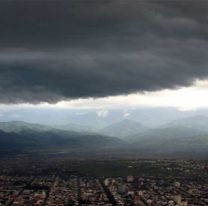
(185, 98)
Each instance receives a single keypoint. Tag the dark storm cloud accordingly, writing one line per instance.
(52, 50)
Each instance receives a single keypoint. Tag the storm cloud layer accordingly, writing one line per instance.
(53, 50)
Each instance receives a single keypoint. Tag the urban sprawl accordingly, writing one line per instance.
(187, 188)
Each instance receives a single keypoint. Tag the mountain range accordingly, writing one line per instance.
(18, 137)
(185, 135)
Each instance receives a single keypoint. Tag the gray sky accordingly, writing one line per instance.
(61, 50)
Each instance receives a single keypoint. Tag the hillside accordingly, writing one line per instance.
(56, 140)
(198, 122)
(19, 126)
(171, 140)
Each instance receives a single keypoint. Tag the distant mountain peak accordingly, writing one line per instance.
(123, 128)
(199, 122)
